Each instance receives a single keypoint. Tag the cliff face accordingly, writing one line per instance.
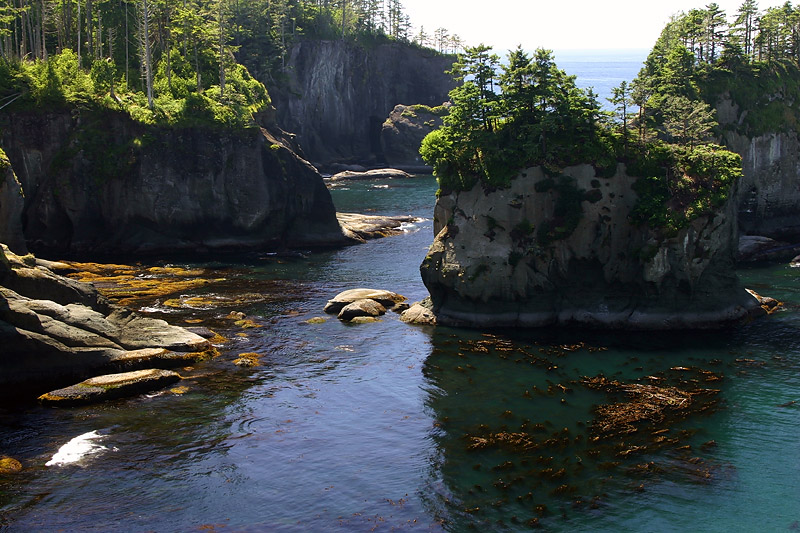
(490, 265)
(769, 193)
(337, 95)
(99, 183)
(12, 202)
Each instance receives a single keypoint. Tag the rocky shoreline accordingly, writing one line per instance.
(56, 331)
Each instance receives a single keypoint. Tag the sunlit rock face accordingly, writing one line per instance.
(505, 258)
(337, 95)
(768, 199)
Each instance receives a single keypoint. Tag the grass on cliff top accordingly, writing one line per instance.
(768, 92)
(59, 83)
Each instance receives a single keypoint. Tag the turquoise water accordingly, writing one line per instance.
(378, 426)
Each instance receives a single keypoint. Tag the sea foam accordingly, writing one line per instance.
(78, 448)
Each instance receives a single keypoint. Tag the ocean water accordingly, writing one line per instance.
(601, 70)
(386, 426)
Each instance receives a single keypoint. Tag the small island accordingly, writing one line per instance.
(553, 212)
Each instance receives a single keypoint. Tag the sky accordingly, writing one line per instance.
(556, 24)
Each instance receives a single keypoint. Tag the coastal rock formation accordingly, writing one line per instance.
(12, 202)
(768, 198)
(55, 331)
(355, 304)
(504, 258)
(402, 134)
(338, 94)
(97, 183)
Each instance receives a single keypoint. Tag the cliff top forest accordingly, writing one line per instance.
(176, 61)
(526, 112)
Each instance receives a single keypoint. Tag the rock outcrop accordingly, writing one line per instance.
(337, 94)
(490, 265)
(402, 134)
(55, 331)
(768, 198)
(97, 183)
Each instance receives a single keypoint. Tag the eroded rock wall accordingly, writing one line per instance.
(12, 203)
(337, 95)
(489, 266)
(769, 193)
(97, 183)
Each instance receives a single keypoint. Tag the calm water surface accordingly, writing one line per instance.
(379, 426)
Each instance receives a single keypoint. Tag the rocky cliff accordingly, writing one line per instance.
(337, 95)
(769, 194)
(98, 183)
(12, 202)
(563, 251)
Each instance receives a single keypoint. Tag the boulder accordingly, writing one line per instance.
(386, 298)
(111, 386)
(361, 308)
(419, 314)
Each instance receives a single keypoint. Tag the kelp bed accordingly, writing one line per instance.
(543, 456)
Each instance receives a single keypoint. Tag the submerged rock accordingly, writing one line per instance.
(509, 257)
(111, 386)
(9, 465)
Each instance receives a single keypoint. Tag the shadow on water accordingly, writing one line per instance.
(566, 429)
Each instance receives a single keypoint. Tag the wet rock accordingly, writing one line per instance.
(361, 228)
(419, 314)
(248, 360)
(387, 299)
(754, 248)
(376, 174)
(361, 308)
(767, 305)
(9, 465)
(111, 386)
(364, 320)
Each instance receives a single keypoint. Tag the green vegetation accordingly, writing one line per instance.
(528, 112)
(172, 62)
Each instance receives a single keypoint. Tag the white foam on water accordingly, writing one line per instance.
(78, 448)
